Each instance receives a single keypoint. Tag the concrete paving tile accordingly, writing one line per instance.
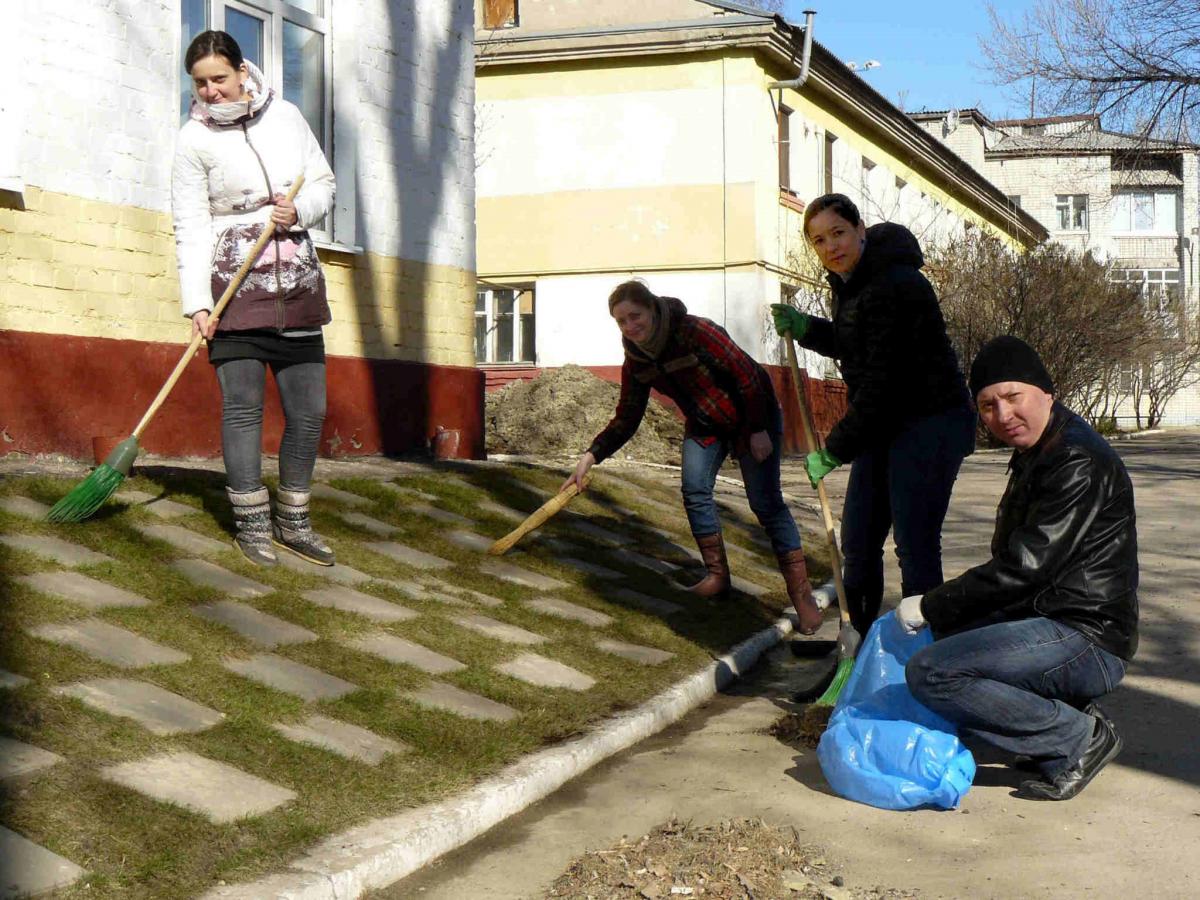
(131, 497)
(217, 791)
(77, 588)
(645, 602)
(182, 539)
(469, 540)
(342, 574)
(203, 572)
(155, 709)
(65, 553)
(290, 677)
(446, 697)
(365, 522)
(433, 593)
(654, 564)
(590, 568)
(342, 738)
(562, 609)
(170, 509)
(326, 492)
(253, 624)
(409, 491)
(28, 870)
(10, 680)
(501, 511)
(349, 600)
(444, 589)
(647, 656)
(397, 650)
(500, 631)
(25, 507)
(523, 577)
(19, 760)
(538, 670)
(401, 553)
(438, 515)
(597, 533)
(109, 643)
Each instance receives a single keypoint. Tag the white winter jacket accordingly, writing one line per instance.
(229, 160)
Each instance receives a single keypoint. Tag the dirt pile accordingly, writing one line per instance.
(562, 410)
(738, 858)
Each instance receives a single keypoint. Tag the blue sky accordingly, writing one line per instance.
(928, 49)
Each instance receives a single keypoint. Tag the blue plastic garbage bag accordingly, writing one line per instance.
(884, 748)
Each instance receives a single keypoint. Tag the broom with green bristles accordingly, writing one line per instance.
(90, 494)
(848, 638)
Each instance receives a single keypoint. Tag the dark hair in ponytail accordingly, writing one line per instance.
(213, 43)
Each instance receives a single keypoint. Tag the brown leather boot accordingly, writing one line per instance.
(795, 574)
(712, 551)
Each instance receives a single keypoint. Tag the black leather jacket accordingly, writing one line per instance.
(889, 338)
(1065, 545)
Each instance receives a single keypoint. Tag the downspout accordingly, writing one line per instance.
(805, 57)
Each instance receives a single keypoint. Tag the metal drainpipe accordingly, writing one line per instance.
(805, 56)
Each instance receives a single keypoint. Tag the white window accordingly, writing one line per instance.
(1150, 212)
(1072, 212)
(504, 325)
(290, 41)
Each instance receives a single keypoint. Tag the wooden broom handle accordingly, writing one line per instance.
(538, 517)
(810, 438)
(236, 283)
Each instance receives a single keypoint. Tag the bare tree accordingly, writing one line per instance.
(1136, 62)
(1169, 361)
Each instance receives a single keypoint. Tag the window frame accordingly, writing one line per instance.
(1067, 203)
(513, 21)
(489, 293)
(783, 135)
(1127, 227)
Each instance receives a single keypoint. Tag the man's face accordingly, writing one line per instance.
(1015, 412)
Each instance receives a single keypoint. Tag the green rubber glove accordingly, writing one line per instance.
(820, 463)
(788, 318)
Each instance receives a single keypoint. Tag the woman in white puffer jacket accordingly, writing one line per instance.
(241, 149)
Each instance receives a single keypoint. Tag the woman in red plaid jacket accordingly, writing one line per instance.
(729, 406)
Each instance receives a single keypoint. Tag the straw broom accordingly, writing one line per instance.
(90, 494)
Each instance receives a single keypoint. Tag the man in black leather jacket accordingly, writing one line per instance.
(1027, 641)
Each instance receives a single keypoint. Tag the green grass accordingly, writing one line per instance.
(136, 847)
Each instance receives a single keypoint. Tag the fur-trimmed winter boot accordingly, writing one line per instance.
(252, 517)
(712, 551)
(293, 531)
(795, 575)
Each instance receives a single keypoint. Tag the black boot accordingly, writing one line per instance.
(252, 517)
(1101, 750)
(293, 531)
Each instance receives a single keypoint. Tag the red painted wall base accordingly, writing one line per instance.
(57, 392)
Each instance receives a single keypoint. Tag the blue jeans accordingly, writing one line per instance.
(700, 466)
(302, 395)
(1017, 685)
(903, 485)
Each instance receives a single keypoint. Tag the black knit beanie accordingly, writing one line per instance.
(1008, 358)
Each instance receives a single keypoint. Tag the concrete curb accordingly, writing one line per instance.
(378, 853)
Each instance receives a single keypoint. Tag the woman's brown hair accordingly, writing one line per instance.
(634, 291)
(839, 203)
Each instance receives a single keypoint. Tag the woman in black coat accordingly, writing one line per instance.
(909, 423)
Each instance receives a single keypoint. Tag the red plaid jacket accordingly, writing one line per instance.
(724, 394)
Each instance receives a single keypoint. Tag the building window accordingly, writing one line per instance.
(827, 179)
(785, 147)
(499, 13)
(1072, 212)
(864, 184)
(1153, 212)
(1014, 200)
(505, 330)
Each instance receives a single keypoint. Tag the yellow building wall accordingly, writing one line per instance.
(80, 267)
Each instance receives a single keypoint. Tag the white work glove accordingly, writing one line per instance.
(848, 642)
(909, 613)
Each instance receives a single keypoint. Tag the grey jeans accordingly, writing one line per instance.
(302, 394)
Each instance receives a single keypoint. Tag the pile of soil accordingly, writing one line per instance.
(562, 410)
(738, 858)
(802, 730)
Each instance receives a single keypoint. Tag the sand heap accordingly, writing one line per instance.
(562, 410)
